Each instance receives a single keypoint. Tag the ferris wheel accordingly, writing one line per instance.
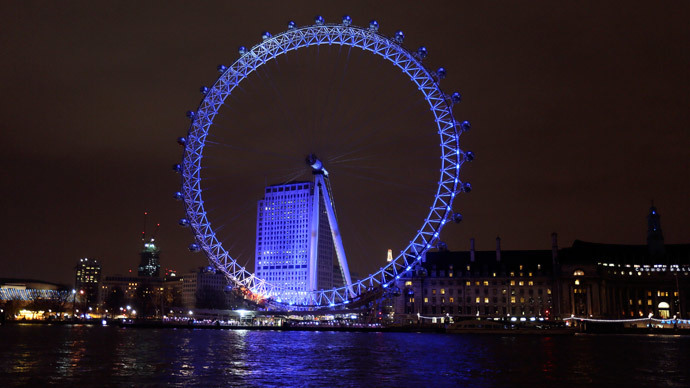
(250, 60)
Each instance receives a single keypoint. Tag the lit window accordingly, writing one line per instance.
(577, 282)
(486, 300)
(512, 274)
(426, 300)
(443, 291)
(433, 291)
(548, 291)
(579, 272)
(477, 299)
(408, 283)
(530, 283)
(468, 283)
(486, 282)
(512, 299)
(451, 300)
(521, 283)
(512, 282)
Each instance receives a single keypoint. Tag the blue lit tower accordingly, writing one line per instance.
(298, 245)
(282, 235)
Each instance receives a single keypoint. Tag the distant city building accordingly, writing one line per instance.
(478, 284)
(626, 281)
(285, 218)
(87, 279)
(149, 266)
(585, 280)
(206, 288)
(28, 290)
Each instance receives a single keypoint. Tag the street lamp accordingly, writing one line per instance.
(74, 301)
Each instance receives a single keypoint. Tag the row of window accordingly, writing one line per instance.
(486, 300)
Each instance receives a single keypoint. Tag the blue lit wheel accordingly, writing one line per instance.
(250, 60)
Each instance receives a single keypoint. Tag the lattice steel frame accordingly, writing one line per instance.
(271, 47)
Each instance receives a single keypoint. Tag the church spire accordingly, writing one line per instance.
(655, 237)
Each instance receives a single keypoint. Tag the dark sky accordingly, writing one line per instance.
(580, 118)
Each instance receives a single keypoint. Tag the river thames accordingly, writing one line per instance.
(82, 355)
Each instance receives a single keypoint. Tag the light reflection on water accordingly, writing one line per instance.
(110, 356)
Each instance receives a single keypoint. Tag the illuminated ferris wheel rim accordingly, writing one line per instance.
(293, 39)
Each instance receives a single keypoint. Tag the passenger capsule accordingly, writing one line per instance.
(266, 35)
(242, 50)
(421, 52)
(182, 140)
(203, 90)
(469, 156)
(441, 73)
(183, 222)
(373, 25)
(467, 187)
(178, 196)
(347, 20)
(221, 68)
(457, 218)
(318, 20)
(465, 126)
(456, 97)
(191, 114)
(194, 247)
(292, 25)
(177, 168)
(399, 36)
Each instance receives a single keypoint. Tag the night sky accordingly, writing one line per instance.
(579, 118)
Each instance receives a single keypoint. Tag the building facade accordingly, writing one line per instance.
(87, 281)
(149, 265)
(588, 280)
(488, 284)
(208, 289)
(284, 242)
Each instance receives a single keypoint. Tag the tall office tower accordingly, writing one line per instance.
(285, 217)
(282, 235)
(87, 278)
(298, 243)
(149, 266)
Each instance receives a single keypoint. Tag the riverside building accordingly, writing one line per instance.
(589, 280)
(487, 284)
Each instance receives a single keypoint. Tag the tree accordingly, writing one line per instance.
(210, 298)
(114, 300)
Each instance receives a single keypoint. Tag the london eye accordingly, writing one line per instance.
(448, 185)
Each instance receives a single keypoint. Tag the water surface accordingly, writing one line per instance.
(80, 355)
